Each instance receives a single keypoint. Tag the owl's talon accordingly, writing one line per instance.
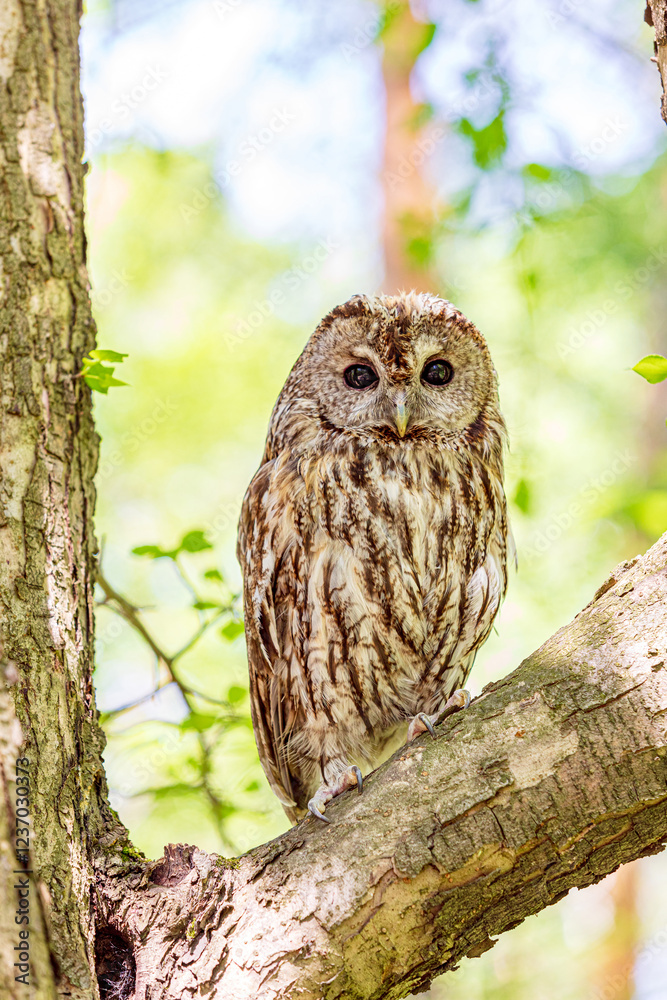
(459, 700)
(351, 777)
(423, 717)
(423, 723)
(314, 811)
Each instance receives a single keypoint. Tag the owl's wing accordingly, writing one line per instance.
(271, 706)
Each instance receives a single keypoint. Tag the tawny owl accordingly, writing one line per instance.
(373, 541)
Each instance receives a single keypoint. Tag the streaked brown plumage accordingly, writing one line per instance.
(374, 563)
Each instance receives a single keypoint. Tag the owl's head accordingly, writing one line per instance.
(393, 367)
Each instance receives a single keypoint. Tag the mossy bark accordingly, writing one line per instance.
(48, 456)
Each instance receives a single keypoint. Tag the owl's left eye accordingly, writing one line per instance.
(360, 376)
(437, 373)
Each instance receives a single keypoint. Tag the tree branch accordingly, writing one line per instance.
(132, 615)
(551, 779)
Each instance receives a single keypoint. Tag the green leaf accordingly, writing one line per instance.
(213, 574)
(489, 143)
(522, 497)
(198, 721)
(422, 114)
(205, 605)
(388, 14)
(538, 171)
(154, 551)
(649, 512)
(420, 250)
(100, 377)
(194, 541)
(427, 35)
(236, 694)
(252, 786)
(232, 630)
(653, 368)
(107, 355)
(418, 38)
(170, 792)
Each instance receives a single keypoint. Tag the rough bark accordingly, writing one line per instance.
(656, 15)
(48, 455)
(553, 778)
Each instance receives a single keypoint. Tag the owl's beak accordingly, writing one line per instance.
(401, 416)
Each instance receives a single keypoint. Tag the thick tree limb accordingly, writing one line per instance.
(553, 778)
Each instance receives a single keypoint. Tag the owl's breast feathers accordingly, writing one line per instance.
(372, 574)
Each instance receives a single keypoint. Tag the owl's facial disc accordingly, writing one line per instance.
(399, 368)
(439, 383)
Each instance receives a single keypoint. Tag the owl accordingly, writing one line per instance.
(373, 541)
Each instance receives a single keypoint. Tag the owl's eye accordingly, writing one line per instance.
(360, 376)
(437, 373)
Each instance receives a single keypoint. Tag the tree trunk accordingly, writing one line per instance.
(409, 215)
(48, 455)
(553, 778)
(615, 955)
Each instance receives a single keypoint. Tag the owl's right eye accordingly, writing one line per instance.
(360, 376)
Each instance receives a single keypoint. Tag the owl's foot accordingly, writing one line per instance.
(325, 793)
(423, 723)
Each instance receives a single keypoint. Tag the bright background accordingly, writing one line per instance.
(241, 147)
